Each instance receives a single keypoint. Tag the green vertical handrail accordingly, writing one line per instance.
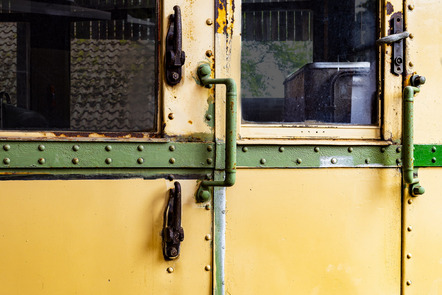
(408, 141)
(204, 72)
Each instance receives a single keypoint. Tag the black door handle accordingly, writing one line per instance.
(173, 233)
(175, 56)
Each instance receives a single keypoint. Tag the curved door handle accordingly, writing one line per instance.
(204, 72)
(175, 56)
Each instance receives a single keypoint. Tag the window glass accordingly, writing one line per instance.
(309, 62)
(83, 65)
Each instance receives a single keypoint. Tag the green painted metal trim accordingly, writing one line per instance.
(427, 155)
(76, 155)
(260, 156)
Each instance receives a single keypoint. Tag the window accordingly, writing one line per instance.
(78, 65)
(309, 62)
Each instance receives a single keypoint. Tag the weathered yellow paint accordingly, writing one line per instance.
(188, 101)
(424, 241)
(313, 231)
(98, 237)
(424, 51)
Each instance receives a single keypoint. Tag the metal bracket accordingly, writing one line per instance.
(175, 56)
(173, 233)
(397, 27)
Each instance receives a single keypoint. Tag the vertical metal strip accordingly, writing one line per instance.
(219, 204)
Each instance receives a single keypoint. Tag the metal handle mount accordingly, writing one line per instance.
(408, 136)
(204, 72)
(173, 233)
(175, 56)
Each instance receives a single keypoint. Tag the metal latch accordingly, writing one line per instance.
(397, 27)
(175, 56)
(173, 233)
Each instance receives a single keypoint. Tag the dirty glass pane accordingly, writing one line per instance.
(309, 62)
(81, 65)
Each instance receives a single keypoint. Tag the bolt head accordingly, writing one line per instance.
(409, 255)
(204, 196)
(6, 161)
(140, 148)
(334, 161)
(172, 160)
(170, 269)
(209, 161)
(281, 149)
(245, 149)
(207, 268)
(208, 237)
(350, 149)
(171, 116)
(108, 148)
(140, 160)
(409, 228)
(209, 148)
(298, 161)
(408, 283)
(433, 149)
(209, 21)
(171, 148)
(263, 161)
(207, 207)
(75, 148)
(208, 117)
(108, 160)
(75, 161)
(6, 147)
(316, 149)
(209, 53)
(41, 161)
(41, 147)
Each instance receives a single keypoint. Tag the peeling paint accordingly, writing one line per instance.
(389, 8)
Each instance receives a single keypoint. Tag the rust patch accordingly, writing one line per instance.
(103, 135)
(389, 8)
(221, 17)
(190, 122)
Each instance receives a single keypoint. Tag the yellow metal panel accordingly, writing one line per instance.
(314, 231)
(98, 237)
(423, 237)
(424, 56)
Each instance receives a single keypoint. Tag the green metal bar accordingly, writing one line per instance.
(204, 73)
(408, 141)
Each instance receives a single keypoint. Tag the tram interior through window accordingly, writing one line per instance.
(78, 65)
(309, 62)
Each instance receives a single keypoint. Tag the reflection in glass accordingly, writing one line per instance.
(309, 62)
(77, 65)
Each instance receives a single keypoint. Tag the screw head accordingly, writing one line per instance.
(334, 161)
(140, 148)
(204, 196)
(140, 160)
(108, 148)
(6, 161)
(75, 161)
(108, 161)
(209, 21)
(41, 147)
(41, 161)
(6, 147)
(172, 160)
(170, 269)
(174, 76)
(171, 148)
(75, 148)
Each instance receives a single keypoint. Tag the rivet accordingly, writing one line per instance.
(245, 149)
(108, 148)
(209, 21)
(409, 228)
(408, 283)
(171, 116)
(209, 161)
(410, 201)
(433, 149)
(208, 176)
(108, 160)
(410, 64)
(75, 148)
(411, 7)
(41, 147)
(433, 160)
(170, 269)
(383, 150)
(411, 36)
(263, 161)
(172, 160)
(398, 150)
(367, 161)
(41, 161)
(209, 148)
(140, 160)
(298, 161)
(398, 161)
(207, 207)
(207, 237)
(207, 267)
(208, 117)
(281, 149)
(6, 147)
(209, 53)
(171, 148)
(170, 177)
(140, 148)
(409, 255)
(7, 161)
(334, 160)
(350, 149)
(75, 160)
